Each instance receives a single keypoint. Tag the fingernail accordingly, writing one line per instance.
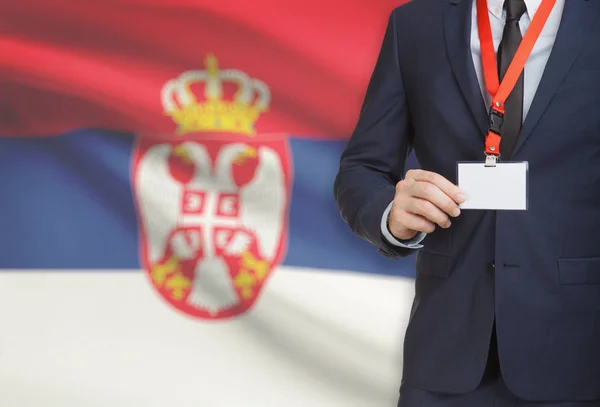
(447, 225)
(456, 212)
(460, 198)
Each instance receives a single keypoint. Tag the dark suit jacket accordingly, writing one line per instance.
(545, 288)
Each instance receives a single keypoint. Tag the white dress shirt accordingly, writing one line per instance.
(534, 68)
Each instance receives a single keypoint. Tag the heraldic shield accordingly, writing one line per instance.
(213, 219)
(212, 198)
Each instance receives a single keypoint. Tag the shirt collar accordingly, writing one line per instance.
(496, 7)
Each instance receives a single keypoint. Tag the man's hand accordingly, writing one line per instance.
(423, 200)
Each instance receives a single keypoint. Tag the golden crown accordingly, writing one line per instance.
(215, 114)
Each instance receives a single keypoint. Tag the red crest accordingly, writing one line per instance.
(213, 218)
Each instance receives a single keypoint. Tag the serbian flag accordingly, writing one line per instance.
(183, 152)
(87, 89)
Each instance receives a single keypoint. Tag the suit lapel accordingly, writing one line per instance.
(577, 20)
(457, 34)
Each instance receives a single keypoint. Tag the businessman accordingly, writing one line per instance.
(507, 302)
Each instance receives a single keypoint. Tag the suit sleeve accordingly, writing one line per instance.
(375, 158)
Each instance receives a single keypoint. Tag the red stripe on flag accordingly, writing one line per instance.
(69, 64)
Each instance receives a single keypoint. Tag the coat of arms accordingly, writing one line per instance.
(212, 200)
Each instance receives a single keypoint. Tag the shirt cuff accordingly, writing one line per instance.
(413, 243)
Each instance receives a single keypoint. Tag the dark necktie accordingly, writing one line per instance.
(513, 107)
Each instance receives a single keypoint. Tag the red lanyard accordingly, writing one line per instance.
(501, 91)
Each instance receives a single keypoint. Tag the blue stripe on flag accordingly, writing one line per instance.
(319, 237)
(68, 204)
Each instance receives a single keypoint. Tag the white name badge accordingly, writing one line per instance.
(501, 187)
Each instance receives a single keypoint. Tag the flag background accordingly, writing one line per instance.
(80, 321)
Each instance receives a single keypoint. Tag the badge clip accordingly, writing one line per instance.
(490, 160)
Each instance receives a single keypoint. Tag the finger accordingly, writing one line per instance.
(429, 211)
(437, 197)
(442, 183)
(414, 222)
